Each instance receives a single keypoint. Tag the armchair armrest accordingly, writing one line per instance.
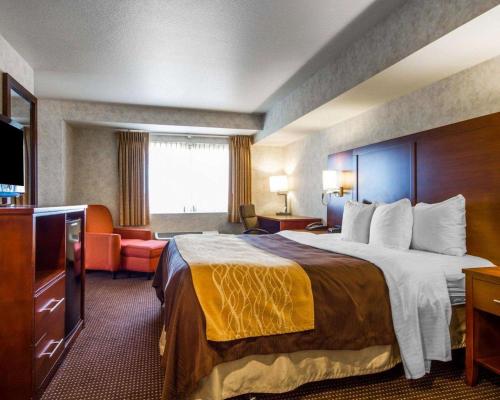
(134, 233)
(256, 231)
(102, 251)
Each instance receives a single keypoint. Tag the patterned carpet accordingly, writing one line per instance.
(116, 358)
(116, 355)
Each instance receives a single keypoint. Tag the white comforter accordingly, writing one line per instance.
(421, 308)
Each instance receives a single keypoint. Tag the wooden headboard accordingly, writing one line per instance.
(432, 166)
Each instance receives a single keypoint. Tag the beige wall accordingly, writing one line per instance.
(93, 168)
(468, 94)
(266, 161)
(12, 63)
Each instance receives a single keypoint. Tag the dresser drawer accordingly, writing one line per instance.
(47, 352)
(487, 296)
(49, 308)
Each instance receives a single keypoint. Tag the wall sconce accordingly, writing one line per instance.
(337, 183)
(279, 184)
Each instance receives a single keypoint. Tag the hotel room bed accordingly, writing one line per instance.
(353, 331)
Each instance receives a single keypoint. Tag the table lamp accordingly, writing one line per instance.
(279, 184)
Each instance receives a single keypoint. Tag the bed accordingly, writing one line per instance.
(353, 334)
(373, 308)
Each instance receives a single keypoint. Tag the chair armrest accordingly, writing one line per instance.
(102, 251)
(256, 231)
(134, 233)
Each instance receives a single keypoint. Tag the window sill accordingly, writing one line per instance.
(191, 213)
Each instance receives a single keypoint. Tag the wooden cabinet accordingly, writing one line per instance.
(33, 296)
(483, 321)
(277, 223)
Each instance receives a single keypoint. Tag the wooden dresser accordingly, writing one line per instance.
(483, 321)
(41, 294)
(276, 223)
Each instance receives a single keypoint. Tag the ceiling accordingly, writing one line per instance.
(233, 55)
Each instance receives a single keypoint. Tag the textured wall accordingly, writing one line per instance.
(12, 63)
(55, 114)
(68, 153)
(409, 28)
(93, 168)
(468, 94)
(266, 161)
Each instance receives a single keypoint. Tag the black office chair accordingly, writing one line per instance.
(250, 220)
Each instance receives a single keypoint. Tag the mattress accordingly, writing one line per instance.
(455, 278)
(452, 267)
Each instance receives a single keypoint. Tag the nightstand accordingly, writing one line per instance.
(483, 321)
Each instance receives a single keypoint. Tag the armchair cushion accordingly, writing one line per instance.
(102, 251)
(134, 233)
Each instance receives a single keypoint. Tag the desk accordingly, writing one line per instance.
(276, 223)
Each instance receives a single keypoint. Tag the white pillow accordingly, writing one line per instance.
(356, 221)
(392, 225)
(440, 227)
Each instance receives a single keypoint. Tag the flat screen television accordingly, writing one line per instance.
(11, 158)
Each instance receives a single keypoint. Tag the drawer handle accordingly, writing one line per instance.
(496, 301)
(50, 309)
(46, 353)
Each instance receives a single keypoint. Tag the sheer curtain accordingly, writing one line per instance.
(188, 175)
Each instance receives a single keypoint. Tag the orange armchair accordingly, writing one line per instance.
(104, 243)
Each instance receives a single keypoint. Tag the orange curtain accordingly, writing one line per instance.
(240, 175)
(133, 154)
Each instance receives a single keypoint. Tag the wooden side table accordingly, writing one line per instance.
(277, 223)
(483, 321)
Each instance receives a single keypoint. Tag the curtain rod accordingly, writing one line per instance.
(187, 135)
(190, 135)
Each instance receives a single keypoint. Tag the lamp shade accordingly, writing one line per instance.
(330, 180)
(278, 183)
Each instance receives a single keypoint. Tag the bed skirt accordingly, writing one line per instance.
(279, 373)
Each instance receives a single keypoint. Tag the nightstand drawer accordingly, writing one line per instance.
(487, 296)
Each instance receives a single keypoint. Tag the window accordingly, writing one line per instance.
(188, 176)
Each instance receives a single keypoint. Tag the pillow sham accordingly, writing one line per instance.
(440, 227)
(356, 221)
(392, 225)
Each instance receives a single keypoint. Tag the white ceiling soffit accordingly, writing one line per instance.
(469, 45)
(229, 55)
(167, 129)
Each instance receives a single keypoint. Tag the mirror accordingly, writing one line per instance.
(20, 105)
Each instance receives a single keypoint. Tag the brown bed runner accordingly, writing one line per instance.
(351, 306)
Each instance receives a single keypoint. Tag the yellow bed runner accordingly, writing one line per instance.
(244, 291)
